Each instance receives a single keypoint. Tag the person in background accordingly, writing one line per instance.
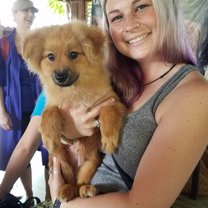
(23, 153)
(19, 90)
(153, 69)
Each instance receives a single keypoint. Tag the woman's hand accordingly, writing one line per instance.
(82, 121)
(5, 122)
(56, 180)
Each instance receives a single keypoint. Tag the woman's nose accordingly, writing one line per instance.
(131, 23)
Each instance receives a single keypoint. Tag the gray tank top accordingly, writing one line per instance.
(136, 134)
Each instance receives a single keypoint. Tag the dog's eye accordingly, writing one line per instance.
(73, 55)
(51, 57)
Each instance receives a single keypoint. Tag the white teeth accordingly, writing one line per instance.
(138, 38)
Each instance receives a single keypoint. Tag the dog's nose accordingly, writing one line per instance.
(61, 76)
(64, 78)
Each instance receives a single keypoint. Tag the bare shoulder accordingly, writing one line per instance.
(186, 107)
(193, 87)
(192, 91)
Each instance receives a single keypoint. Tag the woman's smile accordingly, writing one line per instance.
(139, 38)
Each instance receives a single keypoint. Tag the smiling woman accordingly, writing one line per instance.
(18, 89)
(46, 15)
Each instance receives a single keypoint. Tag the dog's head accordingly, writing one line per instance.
(64, 54)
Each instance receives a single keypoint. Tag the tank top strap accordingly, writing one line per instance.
(168, 86)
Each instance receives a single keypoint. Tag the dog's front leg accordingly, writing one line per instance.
(86, 172)
(111, 121)
(50, 127)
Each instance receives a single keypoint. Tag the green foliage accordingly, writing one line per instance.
(57, 6)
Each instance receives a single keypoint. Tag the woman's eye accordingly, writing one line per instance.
(141, 7)
(73, 55)
(116, 18)
(51, 57)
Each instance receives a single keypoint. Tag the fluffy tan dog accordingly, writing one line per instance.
(69, 61)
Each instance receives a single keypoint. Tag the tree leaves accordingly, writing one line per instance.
(58, 6)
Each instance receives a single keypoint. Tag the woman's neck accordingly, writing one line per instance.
(152, 70)
(19, 35)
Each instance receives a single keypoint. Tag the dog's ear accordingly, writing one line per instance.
(32, 48)
(93, 43)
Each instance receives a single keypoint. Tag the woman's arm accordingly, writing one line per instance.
(5, 121)
(175, 148)
(21, 156)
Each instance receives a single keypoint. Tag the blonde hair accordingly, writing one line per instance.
(171, 42)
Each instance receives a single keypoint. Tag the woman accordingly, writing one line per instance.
(18, 90)
(165, 132)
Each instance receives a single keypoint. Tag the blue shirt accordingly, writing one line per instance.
(38, 110)
(40, 105)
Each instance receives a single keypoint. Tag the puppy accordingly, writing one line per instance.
(69, 60)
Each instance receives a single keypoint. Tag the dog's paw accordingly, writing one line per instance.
(109, 145)
(86, 191)
(67, 192)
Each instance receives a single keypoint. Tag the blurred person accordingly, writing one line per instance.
(19, 89)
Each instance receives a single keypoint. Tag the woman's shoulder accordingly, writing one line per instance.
(191, 94)
(194, 81)
(186, 107)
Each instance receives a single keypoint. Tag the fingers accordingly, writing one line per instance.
(56, 180)
(83, 120)
(10, 123)
(7, 126)
(56, 166)
(6, 122)
(94, 111)
(103, 103)
(56, 170)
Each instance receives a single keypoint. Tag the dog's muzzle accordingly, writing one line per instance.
(64, 78)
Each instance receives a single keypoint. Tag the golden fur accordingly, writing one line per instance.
(69, 60)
